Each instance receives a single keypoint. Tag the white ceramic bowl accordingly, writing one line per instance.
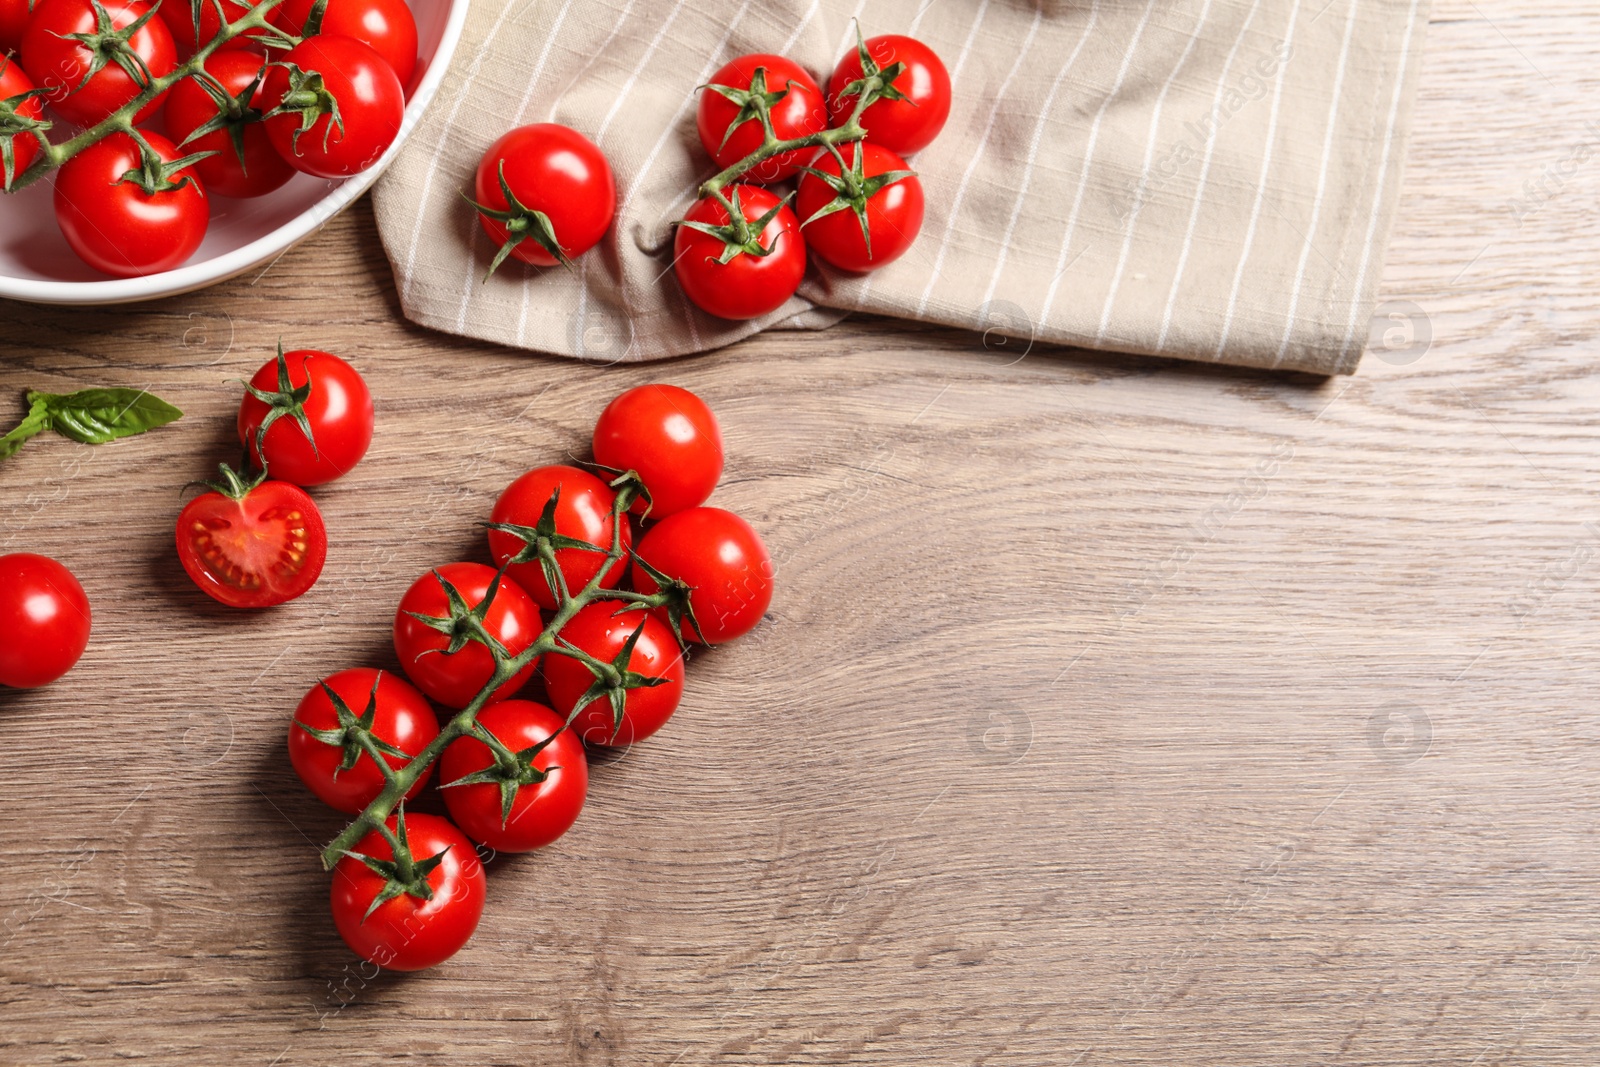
(36, 265)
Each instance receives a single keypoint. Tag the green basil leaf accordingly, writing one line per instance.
(96, 416)
(37, 421)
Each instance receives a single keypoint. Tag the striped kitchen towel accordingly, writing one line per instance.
(1207, 179)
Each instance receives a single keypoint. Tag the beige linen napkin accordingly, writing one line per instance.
(1209, 179)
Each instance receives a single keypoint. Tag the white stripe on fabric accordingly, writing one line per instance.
(594, 57)
(850, 30)
(1383, 173)
(1088, 158)
(1205, 174)
(1033, 152)
(1138, 197)
(1261, 190)
(1322, 183)
(977, 157)
(467, 79)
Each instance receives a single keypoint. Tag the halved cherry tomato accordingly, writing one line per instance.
(583, 512)
(603, 634)
(331, 762)
(338, 410)
(893, 211)
(322, 76)
(547, 787)
(385, 26)
(245, 163)
(722, 561)
(454, 678)
(670, 437)
(264, 547)
(44, 620)
(758, 278)
(86, 86)
(904, 125)
(726, 102)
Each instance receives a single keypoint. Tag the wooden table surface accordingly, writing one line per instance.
(1109, 711)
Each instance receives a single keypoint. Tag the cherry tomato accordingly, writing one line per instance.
(454, 678)
(118, 227)
(409, 932)
(385, 26)
(905, 125)
(893, 212)
(723, 562)
(551, 169)
(60, 64)
(323, 73)
(584, 512)
(247, 167)
(752, 283)
(603, 635)
(799, 112)
(262, 548)
(14, 15)
(179, 15)
(338, 410)
(24, 147)
(670, 437)
(331, 763)
(44, 620)
(542, 808)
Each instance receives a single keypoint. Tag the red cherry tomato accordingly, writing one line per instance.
(454, 678)
(113, 224)
(542, 809)
(24, 147)
(748, 285)
(370, 105)
(584, 512)
(902, 126)
(670, 437)
(263, 549)
(385, 26)
(44, 620)
(14, 15)
(61, 64)
(259, 169)
(332, 764)
(894, 212)
(408, 932)
(555, 170)
(799, 112)
(338, 409)
(179, 15)
(723, 562)
(603, 635)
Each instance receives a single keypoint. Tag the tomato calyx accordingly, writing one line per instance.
(852, 189)
(541, 541)
(233, 484)
(612, 679)
(287, 400)
(14, 124)
(107, 44)
(876, 83)
(310, 98)
(510, 771)
(154, 175)
(740, 236)
(403, 874)
(234, 113)
(755, 102)
(522, 223)
(354, 735)
(465, 624)
(672, 595)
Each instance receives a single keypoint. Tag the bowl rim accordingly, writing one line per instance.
(231, 264)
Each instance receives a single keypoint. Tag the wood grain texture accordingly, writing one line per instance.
(1110, 711)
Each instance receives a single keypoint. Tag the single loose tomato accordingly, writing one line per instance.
(670, 437)
(325, 751)
(740, 270)
(583, 513)
(337, 106)
(523, 803)
(729, 120)
(128, 212)
(195, 22)
(911, 116)
(44, 620)
(83, 60)
(545, 194)
(718, 561)
(245, 163)
(438, 650)
(19, 147)
(618, 713)
(385, 26)
(318, 414)
(252, 547)
(436, 901)
(14, 15)
(864, 215)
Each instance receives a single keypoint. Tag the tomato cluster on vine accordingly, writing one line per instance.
(284, 87)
